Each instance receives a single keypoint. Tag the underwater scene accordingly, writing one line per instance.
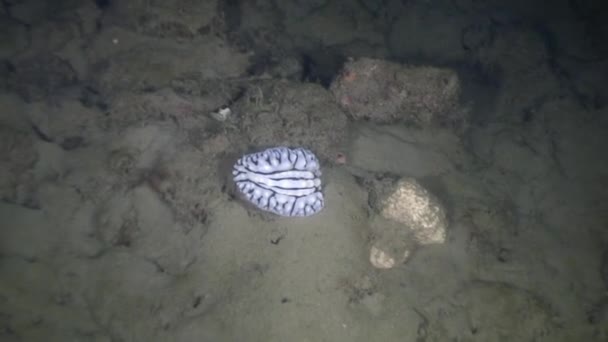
(323, 170)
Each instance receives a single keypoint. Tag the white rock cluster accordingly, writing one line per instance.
(410, 216)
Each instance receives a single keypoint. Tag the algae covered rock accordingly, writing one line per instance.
(387, 92)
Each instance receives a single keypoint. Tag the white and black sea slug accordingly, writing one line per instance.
(285, 181)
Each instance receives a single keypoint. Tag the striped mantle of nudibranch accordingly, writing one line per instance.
(281, 180)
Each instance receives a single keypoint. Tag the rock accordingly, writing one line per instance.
(380, 259)
(338, 24)
(300, 9)
(179, 21)
(18, 157)
(416, 208)
(13, 37)
(282, 113)
(391, 244)
(41, 76)
(151, 66)
(428, 30)
(69, 124)
(288, 67)
(514, 52)
(477, 36)
(604, 269)
(409, 217)
(30, 12)
(386, 92)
